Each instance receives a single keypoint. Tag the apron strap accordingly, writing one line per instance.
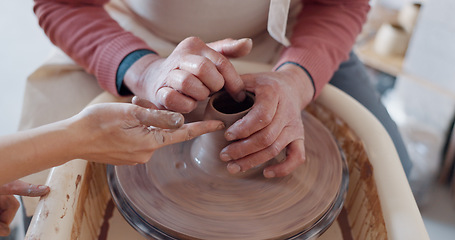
(278, 17)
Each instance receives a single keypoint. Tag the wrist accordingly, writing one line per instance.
(135, 77)
(125, 65)
(79, 133)
(302, 81)
(75, 135)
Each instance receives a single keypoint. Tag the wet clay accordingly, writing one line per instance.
(173, 193)
(186, 192)
(206, 149)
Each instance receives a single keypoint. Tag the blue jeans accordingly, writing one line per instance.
(352, 78)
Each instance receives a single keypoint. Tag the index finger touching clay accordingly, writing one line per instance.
(233, 83)
(164, 137)
(160, 118)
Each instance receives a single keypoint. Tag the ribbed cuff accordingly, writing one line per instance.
(126, 63)
(111, 57)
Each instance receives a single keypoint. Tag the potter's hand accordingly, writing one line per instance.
(9, 204)
(192, 71)
(273, 123)
(120, 133)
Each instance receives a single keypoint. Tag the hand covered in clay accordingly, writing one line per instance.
(273, 123)
(9, 204)
(121, 133)
(192, 71)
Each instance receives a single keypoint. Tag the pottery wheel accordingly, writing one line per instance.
(171, 198)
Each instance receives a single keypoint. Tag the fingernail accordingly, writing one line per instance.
(176, 119)
(246, 40)
(38, 190)
(221, 126)
(233, 168)
(229, 136)
(44, 189)
(269, 174)
(225, 157)
(240, 96)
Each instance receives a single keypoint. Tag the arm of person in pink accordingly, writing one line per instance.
(85, 31)
(323, 37)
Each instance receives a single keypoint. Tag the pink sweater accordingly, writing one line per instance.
(323, 36)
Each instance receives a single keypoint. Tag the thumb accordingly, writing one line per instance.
(21, 188)
(159, 118)
(142, 102)
(232, 48)
(4, 229)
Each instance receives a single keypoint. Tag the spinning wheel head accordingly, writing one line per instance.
(173, 196)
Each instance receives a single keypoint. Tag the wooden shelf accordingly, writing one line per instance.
(389, 64)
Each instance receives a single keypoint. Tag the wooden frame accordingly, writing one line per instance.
(379, 205)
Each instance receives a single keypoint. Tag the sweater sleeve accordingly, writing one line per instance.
(324, 35)
(85, 31)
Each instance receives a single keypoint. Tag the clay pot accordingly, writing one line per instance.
(407, 17)
(205, 152)
(391, 40)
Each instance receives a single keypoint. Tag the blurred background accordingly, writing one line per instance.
(407, 47)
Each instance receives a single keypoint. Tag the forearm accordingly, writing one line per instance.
(324, 35)
(31, 151)
(86, 32)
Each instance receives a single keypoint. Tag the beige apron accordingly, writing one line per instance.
(60, 88)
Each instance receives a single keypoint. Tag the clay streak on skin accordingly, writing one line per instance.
(166, 119)
(159, 138)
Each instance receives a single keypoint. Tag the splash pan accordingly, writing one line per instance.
(171, 197)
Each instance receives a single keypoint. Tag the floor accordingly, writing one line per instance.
(25, 47)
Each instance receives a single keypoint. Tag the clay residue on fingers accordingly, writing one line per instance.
(159, 137)
(166, 119)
